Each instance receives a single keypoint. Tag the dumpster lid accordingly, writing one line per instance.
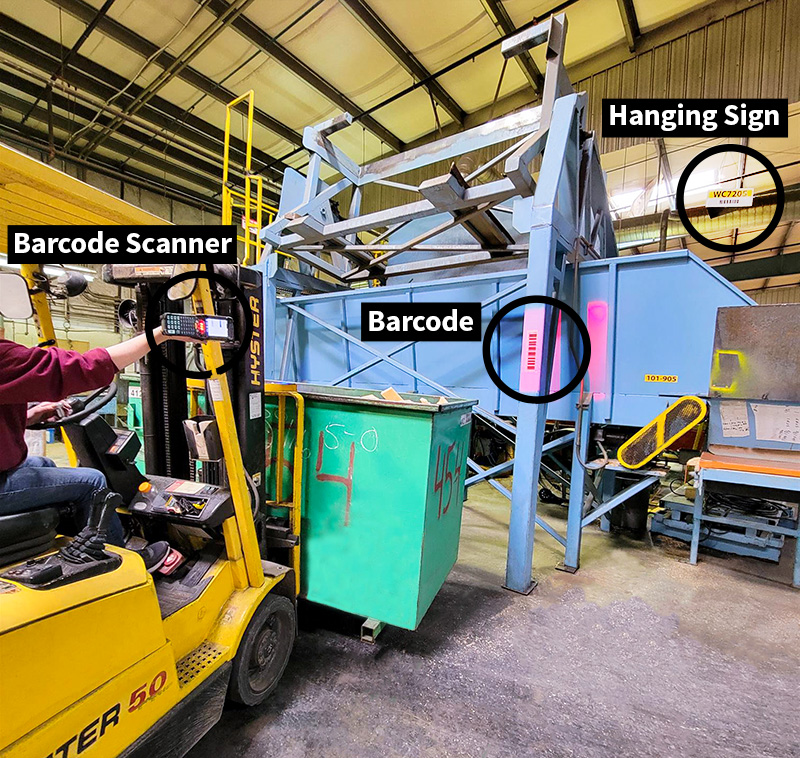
(356, 396)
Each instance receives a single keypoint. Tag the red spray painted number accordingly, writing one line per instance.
(446, 476)
(142, 694)
(347, 481)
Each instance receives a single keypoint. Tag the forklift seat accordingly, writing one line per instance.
(26, 535)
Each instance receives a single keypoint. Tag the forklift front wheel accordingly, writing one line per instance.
(264, 651)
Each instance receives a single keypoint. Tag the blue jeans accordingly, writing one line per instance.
(37, 483)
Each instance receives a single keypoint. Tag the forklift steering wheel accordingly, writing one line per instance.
(82, 407)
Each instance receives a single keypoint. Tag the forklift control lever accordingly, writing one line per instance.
(82, 558)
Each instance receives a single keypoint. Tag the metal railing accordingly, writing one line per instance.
(243, 200)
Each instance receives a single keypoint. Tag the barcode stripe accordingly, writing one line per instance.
(532, 338)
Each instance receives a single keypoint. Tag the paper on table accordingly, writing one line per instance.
(777, 423)
(733, 416)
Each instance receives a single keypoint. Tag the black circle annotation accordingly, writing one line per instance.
(152, 319)
(681, 191)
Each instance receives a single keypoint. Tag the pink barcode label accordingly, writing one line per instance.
(532, 344)
(532, 328)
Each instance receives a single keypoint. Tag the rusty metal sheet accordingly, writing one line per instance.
(757, 353)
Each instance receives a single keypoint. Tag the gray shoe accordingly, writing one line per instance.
(154, 555)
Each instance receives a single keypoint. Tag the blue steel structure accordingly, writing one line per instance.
(324, 347)
(551, 236)
(759, 484)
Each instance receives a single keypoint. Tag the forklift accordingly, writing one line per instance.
(99, 657)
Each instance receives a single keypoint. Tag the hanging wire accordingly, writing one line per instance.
(180, 121)
(497, 90)
(435, 114)
(141, 70)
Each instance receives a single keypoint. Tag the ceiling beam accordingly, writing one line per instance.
(503, 23)
(41, 52)
(63, 123)
(200, 42)
(604, 61)
(761, 268)
(74, 49)
(268, 45)
(403, 56)
(630, 23)
(146, 49)
(179, 155)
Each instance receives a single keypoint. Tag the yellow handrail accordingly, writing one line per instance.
(229, 193)
(281, 392)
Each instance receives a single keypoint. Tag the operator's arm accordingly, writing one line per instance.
(32, 374)
(130, 351)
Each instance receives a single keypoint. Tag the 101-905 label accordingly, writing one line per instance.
(665, 378)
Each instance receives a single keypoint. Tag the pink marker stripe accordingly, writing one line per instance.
(530, 379)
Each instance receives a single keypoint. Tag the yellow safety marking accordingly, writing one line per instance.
(716, 371)
(659, 425)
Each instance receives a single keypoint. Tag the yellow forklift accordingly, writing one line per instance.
(97, 656)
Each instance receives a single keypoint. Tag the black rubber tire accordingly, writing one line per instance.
(263, 652)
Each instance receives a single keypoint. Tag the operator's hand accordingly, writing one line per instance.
(161, 337)
(48, 412)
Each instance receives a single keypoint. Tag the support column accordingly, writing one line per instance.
(697, 515)
(580, 450)
(531, 417)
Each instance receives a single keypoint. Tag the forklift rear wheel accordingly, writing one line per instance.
(263, 652)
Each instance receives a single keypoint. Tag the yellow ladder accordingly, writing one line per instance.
(243, 200)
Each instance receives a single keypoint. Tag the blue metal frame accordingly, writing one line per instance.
(756, 481)
(567, 221)
(552, 237)
(560, 217)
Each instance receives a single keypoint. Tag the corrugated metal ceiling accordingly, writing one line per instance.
(326, 36)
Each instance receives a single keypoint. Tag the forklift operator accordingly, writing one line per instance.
(32, 375)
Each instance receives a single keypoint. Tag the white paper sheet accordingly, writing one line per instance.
(215, 389)
(733, 416)
(256, 402)
(777, 423)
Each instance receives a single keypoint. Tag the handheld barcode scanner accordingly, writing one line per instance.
(198, 326)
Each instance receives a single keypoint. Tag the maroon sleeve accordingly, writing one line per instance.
(31, 374)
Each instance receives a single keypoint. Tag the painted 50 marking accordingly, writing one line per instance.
(142, 694)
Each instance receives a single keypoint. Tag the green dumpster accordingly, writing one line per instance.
(135, 419)
(383, 487)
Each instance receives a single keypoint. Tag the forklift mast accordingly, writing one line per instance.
(246, 378)
(164, 392)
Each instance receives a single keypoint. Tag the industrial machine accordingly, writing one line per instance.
(747, 499)
(515, 207)
(100, 656)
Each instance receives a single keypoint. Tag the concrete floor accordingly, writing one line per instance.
(638, 654)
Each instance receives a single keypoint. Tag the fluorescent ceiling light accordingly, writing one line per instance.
(624, 200)
(52, 270)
